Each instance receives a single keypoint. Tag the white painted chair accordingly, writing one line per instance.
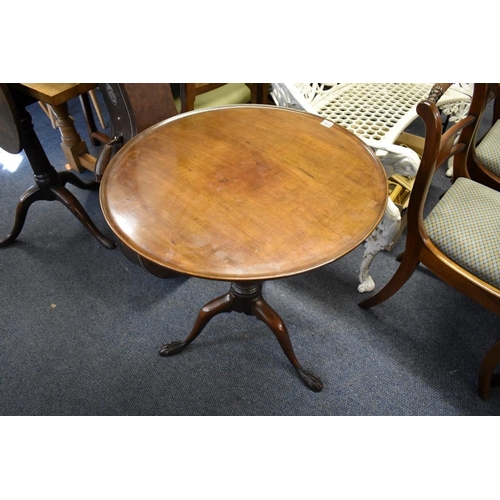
(378, 113)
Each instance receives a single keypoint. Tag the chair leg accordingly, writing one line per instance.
(27, 199)
(381, 238)
(486, 377)
(49, 113)
(401, 276)
(89, 119)
(97, 107)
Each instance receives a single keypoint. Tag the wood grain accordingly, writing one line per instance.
(244, 193)
(54, 93)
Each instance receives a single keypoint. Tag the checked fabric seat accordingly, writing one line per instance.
(459, 240)
(483, 157)
(488, 151)
(465, 226)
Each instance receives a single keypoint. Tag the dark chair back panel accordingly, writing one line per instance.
(10, 135)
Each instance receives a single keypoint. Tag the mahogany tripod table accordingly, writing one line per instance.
(50, 185)
(244, 194)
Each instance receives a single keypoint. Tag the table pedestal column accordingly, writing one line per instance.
(246, 297)
(73, 146)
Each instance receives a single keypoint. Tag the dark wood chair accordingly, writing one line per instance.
(483, 155)
(132, 108)
(17, 134)
(458, 241)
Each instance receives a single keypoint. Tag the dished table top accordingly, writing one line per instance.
(244, 193)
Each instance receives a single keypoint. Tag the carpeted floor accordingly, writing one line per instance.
(80, 327)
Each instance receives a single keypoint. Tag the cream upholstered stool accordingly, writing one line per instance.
(378, 113)
(210, 95)
(469, 238)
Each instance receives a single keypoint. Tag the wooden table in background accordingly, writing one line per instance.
(50, 185)
(244, 194)
(57, 95)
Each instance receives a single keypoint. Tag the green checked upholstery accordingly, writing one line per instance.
(488, 150)
(465, 226)
(231, 93)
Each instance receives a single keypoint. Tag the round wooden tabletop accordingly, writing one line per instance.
(244, 193)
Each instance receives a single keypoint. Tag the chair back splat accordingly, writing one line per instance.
(459, 238)
(132, 108)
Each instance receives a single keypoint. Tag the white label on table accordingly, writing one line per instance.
(327, 123)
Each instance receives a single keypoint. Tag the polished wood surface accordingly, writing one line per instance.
(54, 93)
(244, 193)
(10, 128)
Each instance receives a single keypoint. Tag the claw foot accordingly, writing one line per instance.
(172, 348)
(310, 380)
(367, 285)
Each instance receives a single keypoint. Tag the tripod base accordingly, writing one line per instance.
(246, 297)
(52, 188)
(50, 184)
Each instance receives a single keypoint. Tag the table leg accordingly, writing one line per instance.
(72, 144)
(50, 186)
(27, 199)
(246, 297)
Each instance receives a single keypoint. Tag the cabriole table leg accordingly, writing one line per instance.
(246, 297)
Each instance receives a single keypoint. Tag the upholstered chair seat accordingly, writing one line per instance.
(488, 151)
(459, 241)
(465, 226)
